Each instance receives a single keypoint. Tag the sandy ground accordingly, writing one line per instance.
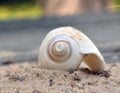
(29, 78)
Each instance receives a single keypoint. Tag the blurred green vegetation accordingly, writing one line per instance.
(117, 1)
(22, 9)
(117, 4)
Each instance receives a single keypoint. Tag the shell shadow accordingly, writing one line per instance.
(105, 74)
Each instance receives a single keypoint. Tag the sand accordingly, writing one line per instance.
(29, 78)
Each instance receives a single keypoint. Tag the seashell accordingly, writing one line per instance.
(65, 48)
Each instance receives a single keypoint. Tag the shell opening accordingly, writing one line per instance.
(94, 63)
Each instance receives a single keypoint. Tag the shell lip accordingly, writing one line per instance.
(94, 62)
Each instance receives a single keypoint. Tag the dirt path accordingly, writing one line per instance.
(29, 78)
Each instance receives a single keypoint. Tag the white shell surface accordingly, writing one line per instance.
(82, 50)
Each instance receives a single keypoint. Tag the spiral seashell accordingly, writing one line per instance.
(65, 48)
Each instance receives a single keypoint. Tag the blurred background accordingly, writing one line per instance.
(22, 9)
(24, 24)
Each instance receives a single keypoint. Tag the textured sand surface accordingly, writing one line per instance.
(29, 78)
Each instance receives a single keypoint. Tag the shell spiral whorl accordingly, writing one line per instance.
(59, 51)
